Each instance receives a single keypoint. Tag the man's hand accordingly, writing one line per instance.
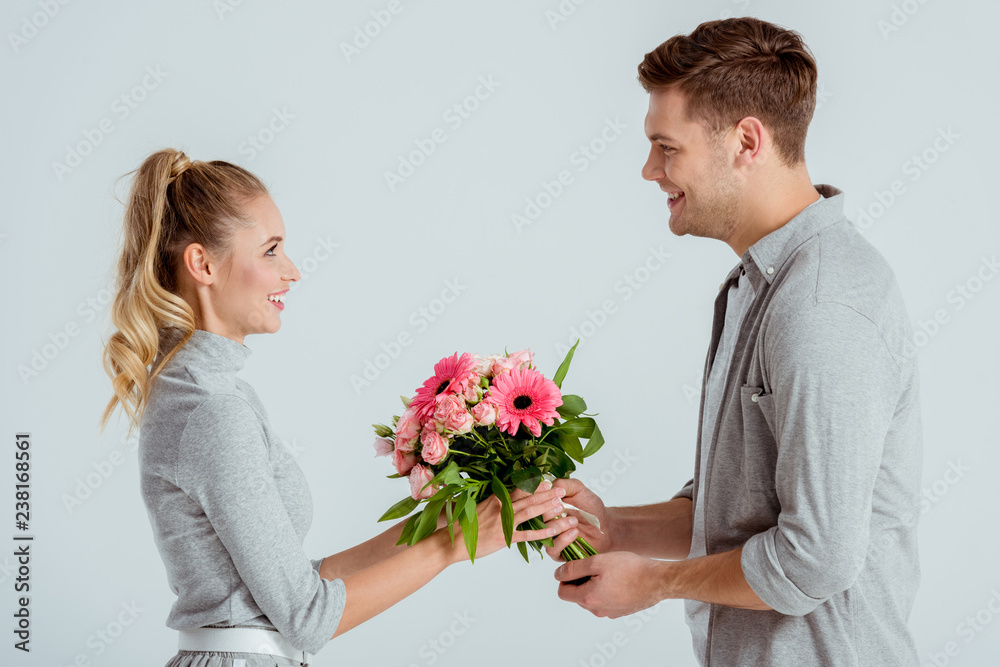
(578, 495)
(620, 583)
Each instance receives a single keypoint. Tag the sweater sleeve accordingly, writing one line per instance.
(836, 386)
(224, 466)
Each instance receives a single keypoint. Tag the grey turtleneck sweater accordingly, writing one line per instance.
(228, 504)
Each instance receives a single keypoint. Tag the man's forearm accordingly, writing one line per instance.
(654, 531)
(717, 579)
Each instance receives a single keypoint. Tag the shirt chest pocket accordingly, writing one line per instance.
(760, 447)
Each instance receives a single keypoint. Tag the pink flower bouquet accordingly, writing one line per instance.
(482, 426)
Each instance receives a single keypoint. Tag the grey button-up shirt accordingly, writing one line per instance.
(815, 463)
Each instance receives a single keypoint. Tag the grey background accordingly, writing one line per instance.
(885, 95)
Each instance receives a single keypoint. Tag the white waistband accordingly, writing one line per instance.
(241, 640)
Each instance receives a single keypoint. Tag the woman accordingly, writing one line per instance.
(202, 266)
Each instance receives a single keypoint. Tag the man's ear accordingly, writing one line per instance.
(199, 264)
(752, 136)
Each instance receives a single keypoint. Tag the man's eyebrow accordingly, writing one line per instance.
(273, 238)
(663, 137)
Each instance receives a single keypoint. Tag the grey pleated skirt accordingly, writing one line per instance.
(230, 659)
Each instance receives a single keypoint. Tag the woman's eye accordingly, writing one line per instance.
(270, 249)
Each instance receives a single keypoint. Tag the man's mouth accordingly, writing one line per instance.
(674, 198)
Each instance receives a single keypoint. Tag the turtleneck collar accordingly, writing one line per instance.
(206, 350)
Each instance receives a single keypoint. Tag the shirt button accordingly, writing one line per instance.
(770, 270)
(753, 397)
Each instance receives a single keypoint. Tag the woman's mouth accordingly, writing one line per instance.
(277, 299)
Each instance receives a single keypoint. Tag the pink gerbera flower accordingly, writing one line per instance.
(451, 374)
(524, 396)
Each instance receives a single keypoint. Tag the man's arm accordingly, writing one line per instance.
(662, 530)
(624, 583)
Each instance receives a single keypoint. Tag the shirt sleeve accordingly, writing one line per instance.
(835, 385)
(686, 491)
(224, 466)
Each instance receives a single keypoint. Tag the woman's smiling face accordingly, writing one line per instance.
(256, 269)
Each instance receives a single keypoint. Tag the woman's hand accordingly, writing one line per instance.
(545, 500)
(578, 495)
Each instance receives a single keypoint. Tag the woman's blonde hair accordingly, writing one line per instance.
(173, 202)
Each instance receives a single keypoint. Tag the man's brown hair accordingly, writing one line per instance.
(733, 68)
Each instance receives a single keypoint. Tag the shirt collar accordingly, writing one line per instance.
(763, 260)
(206, 350)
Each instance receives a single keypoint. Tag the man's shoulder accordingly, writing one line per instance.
(839, 279)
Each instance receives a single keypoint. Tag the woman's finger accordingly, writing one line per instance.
(551, 530)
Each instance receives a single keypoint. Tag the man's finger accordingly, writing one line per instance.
(578, 569)
(551, 530)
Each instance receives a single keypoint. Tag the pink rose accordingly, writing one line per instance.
(485, 413)
(407, 431)
(435, 447)
(383, 446)
(502, 365)
(459, 422)
(522, 359)
(419, 477)
(483, 364)
(447, 405)
(473, 393)
(404, 461)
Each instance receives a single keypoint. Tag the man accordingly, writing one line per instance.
(795, 541)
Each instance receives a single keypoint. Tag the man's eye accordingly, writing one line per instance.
(271, 248)
(665, 148)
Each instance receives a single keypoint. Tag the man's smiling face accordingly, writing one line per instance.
(688, 164)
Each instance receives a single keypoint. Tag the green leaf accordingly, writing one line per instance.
(581, 427)
(400, 509)
(524, 551)
(470, 532)
(449, 475)
(571, 445)
(411, 523)
(595, 443)
(470, 506)
(555, 461)
(528, 479)
(564, 366)
(572, 405)
(428, 520)
(405, 400)
(506, 508)
(447, 511)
